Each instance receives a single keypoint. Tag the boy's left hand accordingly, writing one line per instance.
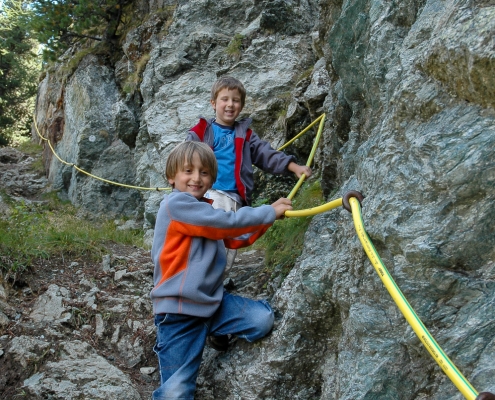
(281, 206)
(300, 169)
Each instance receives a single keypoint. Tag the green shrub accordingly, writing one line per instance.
(134, 79)
(27, 146)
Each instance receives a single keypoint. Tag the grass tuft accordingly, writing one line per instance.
(284, 241)
(42, 230)
(134, 79)
(234, 48)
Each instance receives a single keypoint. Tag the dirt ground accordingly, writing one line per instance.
(24, 293)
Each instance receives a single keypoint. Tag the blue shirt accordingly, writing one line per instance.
(224, 149)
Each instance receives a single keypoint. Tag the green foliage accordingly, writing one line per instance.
(305, 74)
(284, 241)
(27, 146)
(72, 63)
(19, 68)
(260, 202)
(61, 23)
(49, 229)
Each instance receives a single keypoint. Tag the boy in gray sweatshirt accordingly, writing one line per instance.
(188, 251)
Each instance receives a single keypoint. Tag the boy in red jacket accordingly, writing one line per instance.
(237, 148)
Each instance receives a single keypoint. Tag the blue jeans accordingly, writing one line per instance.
(180, 340)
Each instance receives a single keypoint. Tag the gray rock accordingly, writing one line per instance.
(106, 264)
(49, 306)
(3, 292)
(26, 349)
(80, 372)
(4, 320)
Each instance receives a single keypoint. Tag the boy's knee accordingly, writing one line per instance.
(269, 323)
(266, 320)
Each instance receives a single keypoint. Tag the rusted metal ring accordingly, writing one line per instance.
(348, 195)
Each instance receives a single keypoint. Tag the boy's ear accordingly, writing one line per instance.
(171, 182)
(213, 104)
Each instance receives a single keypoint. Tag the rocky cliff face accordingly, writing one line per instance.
(408, 89)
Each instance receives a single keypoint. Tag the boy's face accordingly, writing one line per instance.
(194, 179)
(227, 106)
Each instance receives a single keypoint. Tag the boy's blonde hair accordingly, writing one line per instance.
(230, 83)
(182, 155)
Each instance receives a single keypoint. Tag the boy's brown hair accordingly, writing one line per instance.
(230, 83)
(183, 153)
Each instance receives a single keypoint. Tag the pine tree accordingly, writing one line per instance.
(58, 24)
(18, 71)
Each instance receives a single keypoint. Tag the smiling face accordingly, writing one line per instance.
(192, 178)
(227, 106)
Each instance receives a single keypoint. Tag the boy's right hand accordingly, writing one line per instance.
(281, 206)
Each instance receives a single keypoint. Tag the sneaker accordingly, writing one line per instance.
(219, 343)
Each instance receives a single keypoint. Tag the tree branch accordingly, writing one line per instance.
(79, 35)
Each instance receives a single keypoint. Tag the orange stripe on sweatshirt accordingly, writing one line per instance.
(174, 255)
(175, 252)
(215, 233)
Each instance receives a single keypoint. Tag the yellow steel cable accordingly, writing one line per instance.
(298, 184)
(317, 140)
(296, 187)
(411, 317)
(87, 173)
(321, 118)
(302, 132)
(315, 210)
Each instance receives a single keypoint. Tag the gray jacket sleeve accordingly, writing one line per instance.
(267, 158)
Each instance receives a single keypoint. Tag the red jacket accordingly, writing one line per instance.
(249, 150)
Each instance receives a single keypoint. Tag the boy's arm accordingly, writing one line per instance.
(197, 132)
(191, 217)
(192, 137)
(267, 158)
(280, 206)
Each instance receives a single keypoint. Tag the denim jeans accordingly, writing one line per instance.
(180, 340)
